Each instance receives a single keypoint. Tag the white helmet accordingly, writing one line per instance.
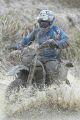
(46, 15)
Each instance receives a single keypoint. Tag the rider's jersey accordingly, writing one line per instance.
(41, 36)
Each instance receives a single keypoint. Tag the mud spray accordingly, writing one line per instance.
(54, 102)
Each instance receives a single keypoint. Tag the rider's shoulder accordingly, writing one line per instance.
(56, 29)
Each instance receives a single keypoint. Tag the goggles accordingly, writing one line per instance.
(44, 24)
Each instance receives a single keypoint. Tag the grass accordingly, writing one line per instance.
(72, 52)
(7, 1)
(15, 27)
(70, 3)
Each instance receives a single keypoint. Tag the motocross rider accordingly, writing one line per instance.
(51, 40)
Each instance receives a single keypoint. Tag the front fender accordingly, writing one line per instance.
(16, 69)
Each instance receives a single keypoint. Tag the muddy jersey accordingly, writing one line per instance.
(41, 36)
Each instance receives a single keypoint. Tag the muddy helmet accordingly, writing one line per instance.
(45, 18)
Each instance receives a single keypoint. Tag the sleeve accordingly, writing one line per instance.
(63, 39)
(27, 40)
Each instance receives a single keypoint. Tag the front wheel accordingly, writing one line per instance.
(12, 90)
(14, 87)
(38, 81)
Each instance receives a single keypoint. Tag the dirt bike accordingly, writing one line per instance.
(30, 72)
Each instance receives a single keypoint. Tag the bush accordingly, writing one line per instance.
(73, 51)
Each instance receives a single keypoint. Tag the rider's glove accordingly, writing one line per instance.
(53, 44)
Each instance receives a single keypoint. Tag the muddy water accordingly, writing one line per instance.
(54, 103)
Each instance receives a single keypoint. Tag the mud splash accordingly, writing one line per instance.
(63, 96)
(54, 101)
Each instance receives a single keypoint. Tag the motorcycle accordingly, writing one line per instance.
(30, 72)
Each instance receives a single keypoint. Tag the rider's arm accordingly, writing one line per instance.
(63, 39)
(27, 40)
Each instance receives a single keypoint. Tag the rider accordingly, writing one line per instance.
(55, 38)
